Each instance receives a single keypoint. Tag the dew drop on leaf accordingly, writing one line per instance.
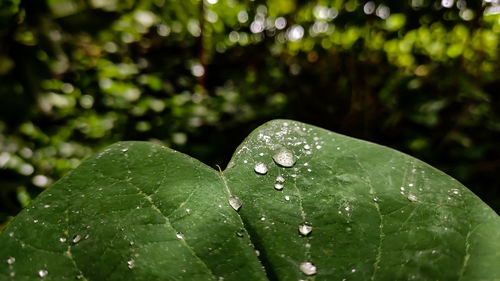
(179, 235)
(305, 229)
(260, 168)
(42, 273)
(287, 198)
(76, 238)
(131, 264)
(284, 158)
(235, 203)
(308, 268)
(280, 179)
(11, 260)
(412, 198)
(278, 186)
(62, 239)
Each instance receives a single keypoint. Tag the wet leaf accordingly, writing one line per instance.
(345, 209)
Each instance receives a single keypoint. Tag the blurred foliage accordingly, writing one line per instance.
(76, 75)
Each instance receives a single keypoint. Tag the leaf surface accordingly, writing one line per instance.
(139, 211)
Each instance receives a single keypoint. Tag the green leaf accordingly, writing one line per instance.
(139, 211)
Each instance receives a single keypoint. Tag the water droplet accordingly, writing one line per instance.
(278, 186)
(308, 268)
(287, 198)
(257, 253)
(308, 245)
(280, 179)
(306, 164)
(46, 206)
(261, 154)
(375, 199)
(284, 158)
(402, 188)
(188, 210)
(260, 168)
(76, 238)
(42, 273)
(131, 264)
(353, 270)
(318, 146)
(62, 239)
(235, 203)
(307, 146)
(305, 229)
(35, 221)
(125, 149)
(245, 161)
(410, 185)
(455, 191)
(412, 198)
(263, 218)
(347, 208)
(11, 260)
(179, 235)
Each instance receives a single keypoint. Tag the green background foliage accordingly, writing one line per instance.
(419, 76)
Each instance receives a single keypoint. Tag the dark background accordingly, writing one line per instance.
(419, 76)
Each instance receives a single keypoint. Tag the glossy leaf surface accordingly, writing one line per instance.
(345, 209)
